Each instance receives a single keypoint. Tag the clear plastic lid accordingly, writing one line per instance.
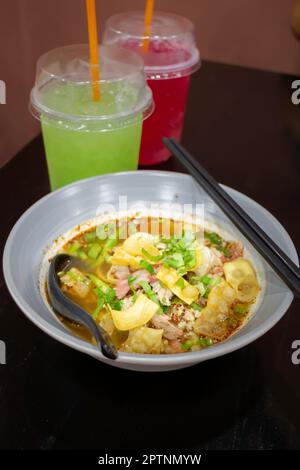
(172, 51)
(63, 90)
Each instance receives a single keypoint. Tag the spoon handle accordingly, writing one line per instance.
(102, 338)
(69, 309)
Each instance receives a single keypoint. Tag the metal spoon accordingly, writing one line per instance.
(69, 309)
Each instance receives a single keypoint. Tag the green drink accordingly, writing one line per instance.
(82, 137)
(73, 154)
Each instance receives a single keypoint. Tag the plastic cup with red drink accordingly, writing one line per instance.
(169, 62)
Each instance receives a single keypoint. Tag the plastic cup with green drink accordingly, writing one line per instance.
(83, 137)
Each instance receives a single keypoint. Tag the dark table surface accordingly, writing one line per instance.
(242, 126)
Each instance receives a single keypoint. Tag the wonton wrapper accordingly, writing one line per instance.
(240, 274)
(206, 259)
(135, 244)
(76, 283)
(212, 320)
(107, 323)
(122, 258)
(199, 258)
(169, 277)
(137, 315)
(144, 340)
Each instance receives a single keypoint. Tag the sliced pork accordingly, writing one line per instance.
(163, 322)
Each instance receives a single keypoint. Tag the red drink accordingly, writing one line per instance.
(171, 59)
(167, 121)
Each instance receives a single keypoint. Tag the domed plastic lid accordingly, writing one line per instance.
(172, 50)
(63, 89)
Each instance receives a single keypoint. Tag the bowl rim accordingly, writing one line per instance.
(142, 359)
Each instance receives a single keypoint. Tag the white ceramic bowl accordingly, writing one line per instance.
(62, 210)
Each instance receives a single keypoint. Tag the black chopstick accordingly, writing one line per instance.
(204, 173)
(271, 252)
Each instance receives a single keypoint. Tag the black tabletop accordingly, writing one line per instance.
(242, 126)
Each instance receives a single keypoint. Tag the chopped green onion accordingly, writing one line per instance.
(98, 309)
(164, 308)
(218, 242)
(82, 255)
(98, 282)
(147, 288)
(187, 345)
(180, 283)
(182, 271)
(190, 260)
(131, 280)
(94, 251)
(76, 277)
(90, 237)
(108, 295)
(99, 292)
(240, 309)
(213, 237)
(181, 245)
(206, 293)
(74, 248)
(110, 244)
(196, 306)
(155, 259)
(175, 261)
(205, 342)
(149, 292)
(117, 305)
(195, 280)
(144, 264)
(206, 280)
(180, 253)
(215, 281)
(204, 283)
(226, 252)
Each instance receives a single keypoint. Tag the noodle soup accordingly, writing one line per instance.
(156, 292)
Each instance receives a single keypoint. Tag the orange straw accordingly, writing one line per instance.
(148, 23)
(94, 53)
